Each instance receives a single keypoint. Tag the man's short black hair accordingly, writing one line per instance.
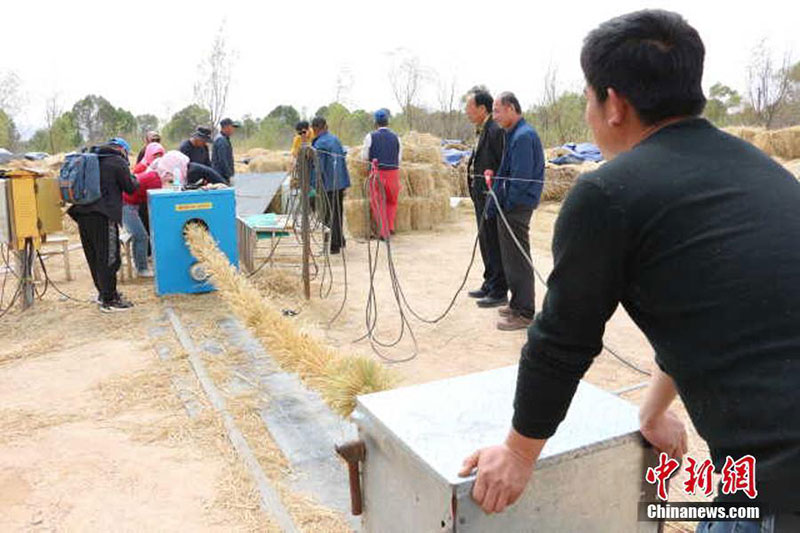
(654, 58)
(483, 98)
(319, 123)
(508, 98)
(301, 126)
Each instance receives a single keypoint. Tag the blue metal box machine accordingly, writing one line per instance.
(170, 211)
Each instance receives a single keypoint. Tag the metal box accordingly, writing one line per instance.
(170, 212)
(48, 205)
(589, 477)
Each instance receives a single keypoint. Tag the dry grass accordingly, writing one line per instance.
(17, 424)
(338, 378)
(270, 161)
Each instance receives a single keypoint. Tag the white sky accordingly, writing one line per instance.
(143, 55)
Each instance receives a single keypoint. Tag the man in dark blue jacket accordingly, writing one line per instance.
(518, 188)
(331, 169)
(222, 156)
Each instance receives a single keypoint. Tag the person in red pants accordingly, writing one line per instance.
(383, 145)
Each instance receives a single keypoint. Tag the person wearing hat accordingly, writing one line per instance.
(383, 145)
(222, 156)
(330, 177)
(149, 137)
(98, 223)
(196, 146)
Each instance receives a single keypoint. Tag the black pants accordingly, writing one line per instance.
(334, 218)
(494, 280)
(100, 240)
(518, 271)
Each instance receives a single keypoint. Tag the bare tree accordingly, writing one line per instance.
(768, 84)
(52, 111)
(10, 94)
(448, 106)
(214, 78)
(344, 83)
(406, 78)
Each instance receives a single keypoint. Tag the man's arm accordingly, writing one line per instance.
(589, 250)
(662, 428)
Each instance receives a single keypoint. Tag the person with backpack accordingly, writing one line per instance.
(98, 220)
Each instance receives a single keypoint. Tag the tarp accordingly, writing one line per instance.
(5, 155)
(578, 153)
(254, 192)
(453, 157)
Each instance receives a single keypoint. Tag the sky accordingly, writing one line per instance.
(143, 56)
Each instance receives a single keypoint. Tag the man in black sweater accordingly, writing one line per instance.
(196, 146)
(98, 223)
(696, 234)
(487, 155)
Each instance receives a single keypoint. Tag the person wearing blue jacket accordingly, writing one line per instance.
(518, 187)
(330, 167)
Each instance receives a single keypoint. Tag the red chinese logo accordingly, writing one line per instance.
(740, 476)
(699, 476)
(660, 474)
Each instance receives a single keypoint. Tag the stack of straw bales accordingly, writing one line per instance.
(783, 143)
(426, 187)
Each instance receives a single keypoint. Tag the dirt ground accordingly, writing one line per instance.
(93, 436)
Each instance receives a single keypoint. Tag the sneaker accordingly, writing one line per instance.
(146, 273)
(505, 311)
(513, 323)
(115, 306)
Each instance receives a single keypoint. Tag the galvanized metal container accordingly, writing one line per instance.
(590, 476)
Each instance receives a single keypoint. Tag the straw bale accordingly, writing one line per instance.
(421, 217)
(559, 179)
(402, 222)
(420, 179)
(271, 162)
(356, 217)
(748, 134)
(440, 207)
(421, 148)
(255, 152)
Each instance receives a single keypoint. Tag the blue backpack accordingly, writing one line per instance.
(79, 179)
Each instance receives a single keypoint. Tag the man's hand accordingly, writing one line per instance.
(667, 433)
(503, 471)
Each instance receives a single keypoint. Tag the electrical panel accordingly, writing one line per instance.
(30, 207)
(48, 206)
(5, 212)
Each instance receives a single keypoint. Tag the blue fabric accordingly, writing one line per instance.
(331, 156)
(385, 148)
(132, 223)
(578, 153)
(452, 157)
(523, 161)
(222, 157)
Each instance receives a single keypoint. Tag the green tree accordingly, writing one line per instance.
(96, 118)
(9, 136)
(65, 133)
(145, 123)
(721, 101)
(184, 122)
(286, 115)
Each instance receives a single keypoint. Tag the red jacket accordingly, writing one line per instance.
(147, 181)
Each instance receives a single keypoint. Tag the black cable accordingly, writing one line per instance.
(59, 291)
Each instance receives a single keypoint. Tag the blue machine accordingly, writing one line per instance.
(177, 271)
